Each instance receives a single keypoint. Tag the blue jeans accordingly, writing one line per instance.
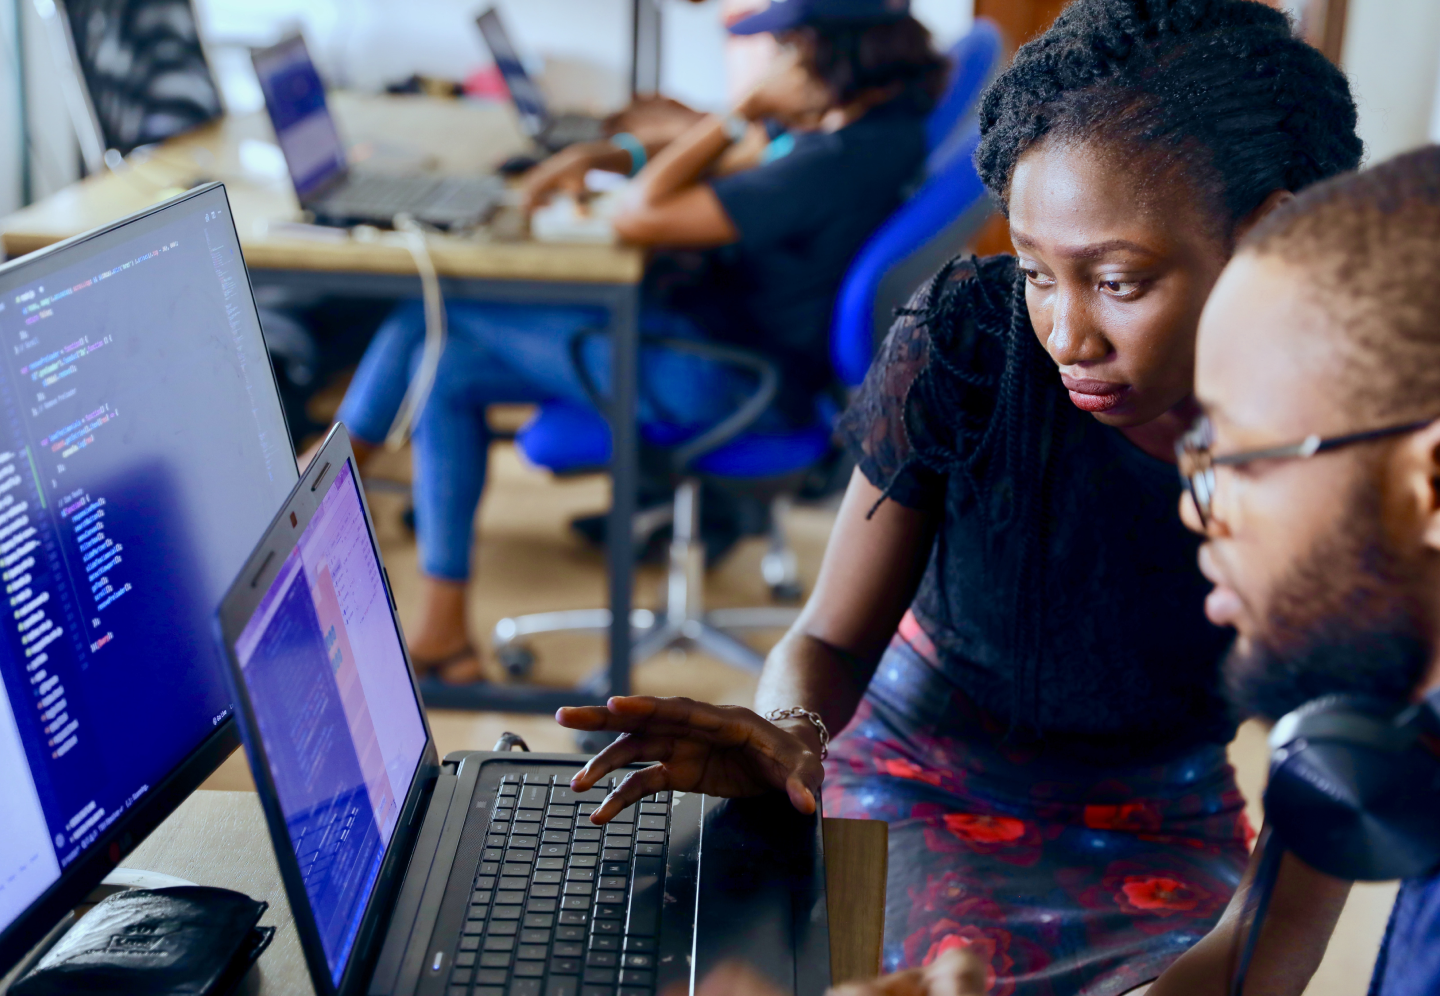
(498, 353)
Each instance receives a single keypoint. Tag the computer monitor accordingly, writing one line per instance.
(144, 70)
(295, 98)
(142, 453)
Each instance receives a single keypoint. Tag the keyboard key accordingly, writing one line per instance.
(580, 874)
(534, 937)
(525, 842)
(496, 840)
(640, 944)
(574, 916)
(547, 877)
(489, 867)
(490, 976)
(558, 826)
(555, 837)
(661, 796)
(509, 790)
(515, 870)
(487, 991)
(589, 833)
(596, 991)
(575, 903)
(541, 905)
(564, 966)
(584, 861)
(495, 959)
(553, 850)
(638, 961)
(615, 867)
(533, 796)
(568, 949)
(560, 812)
(607, 927)
(585, 847)
(476, 926)
(479, 910)
(562, 985)
(541, 921)
(469, 942)
(653, 809)
(649, 850)
(609, 912)
(464, 959)
(602, 942)
(510, 882)
(569, 933)
(651, 836)
(586, 808)
(579, 888)
(652, 823)
(505, 913)
(502, 812)
(600, 976)
(502, 927)
(624, 816)
(517, 856)
(635, 991)
(550, 864)
(610, 896)
(615, 854)
(613, 882)
(499, 827)
(509, 898)
(525, 827)
(603, 959)
(524, 987)
(636, 977)
(498, 943)
(565, 795)
(481, 896)
(540, 891)
(532, 952)
(491, 855)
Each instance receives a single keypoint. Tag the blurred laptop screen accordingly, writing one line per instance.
(335, 709)
(295, 98)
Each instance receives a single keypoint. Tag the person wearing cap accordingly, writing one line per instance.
(757, 236)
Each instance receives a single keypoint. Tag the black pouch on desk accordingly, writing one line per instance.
(189, 940)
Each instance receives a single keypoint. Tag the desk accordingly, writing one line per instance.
(219, 838)
(453, 137)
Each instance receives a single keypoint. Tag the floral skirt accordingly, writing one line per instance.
(1071, 871)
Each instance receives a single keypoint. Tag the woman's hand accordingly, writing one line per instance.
(725, 751)
(955, 973)
(564, 172)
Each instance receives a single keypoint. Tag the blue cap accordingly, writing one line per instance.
(782, 15)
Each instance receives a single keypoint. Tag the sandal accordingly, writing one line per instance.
(436, 668)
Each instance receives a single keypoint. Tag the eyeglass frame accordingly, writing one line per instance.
(1199, 476)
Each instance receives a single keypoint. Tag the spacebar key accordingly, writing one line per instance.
(646, 888)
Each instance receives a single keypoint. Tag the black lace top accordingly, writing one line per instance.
(1062, 591)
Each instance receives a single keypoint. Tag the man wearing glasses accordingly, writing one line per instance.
(1315, 477)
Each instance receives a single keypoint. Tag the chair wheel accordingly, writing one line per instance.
(407, 519)
(517, 661)
(786, 591)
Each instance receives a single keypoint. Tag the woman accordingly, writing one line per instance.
(1044, 732)
(855, 92)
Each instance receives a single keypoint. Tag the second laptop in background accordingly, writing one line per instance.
(326, 185)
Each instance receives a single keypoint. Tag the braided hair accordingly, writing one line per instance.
(1220, 89)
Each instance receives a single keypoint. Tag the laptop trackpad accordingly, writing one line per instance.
(761, 894)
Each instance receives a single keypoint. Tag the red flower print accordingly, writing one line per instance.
(898, 767)
(990, 944)
(1134, 816)
(984, 829)
(1161, 896)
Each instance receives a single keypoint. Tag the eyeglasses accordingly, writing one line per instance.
(1197, 463)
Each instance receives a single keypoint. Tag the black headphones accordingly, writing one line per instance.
(1354, 792)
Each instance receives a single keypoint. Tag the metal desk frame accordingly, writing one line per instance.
(621, 303)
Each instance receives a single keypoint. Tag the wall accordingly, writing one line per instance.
(1392, 55)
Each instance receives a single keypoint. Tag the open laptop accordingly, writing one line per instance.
(551, 132)
(480, 874)
(325, 183)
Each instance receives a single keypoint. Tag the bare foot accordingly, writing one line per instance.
(441, 644)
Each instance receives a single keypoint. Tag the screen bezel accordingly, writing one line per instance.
(342, 172)
(236, 610)
(75, 882)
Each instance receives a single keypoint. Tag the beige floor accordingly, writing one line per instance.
(527, 561)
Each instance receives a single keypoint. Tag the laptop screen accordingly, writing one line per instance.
(335, 710)
(524, 94)
(295, 98)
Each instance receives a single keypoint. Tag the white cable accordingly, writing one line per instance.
(424, 379)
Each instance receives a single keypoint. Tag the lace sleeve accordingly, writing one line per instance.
(944, 352)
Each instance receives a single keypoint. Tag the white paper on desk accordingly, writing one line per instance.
(562, 220)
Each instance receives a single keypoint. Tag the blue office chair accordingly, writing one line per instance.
(974, 61)
(937, 222)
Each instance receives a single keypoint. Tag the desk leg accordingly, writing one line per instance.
(624, 475)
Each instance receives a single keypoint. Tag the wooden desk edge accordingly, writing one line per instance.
(856, 864)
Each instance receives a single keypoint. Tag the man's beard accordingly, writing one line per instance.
(1342, 621)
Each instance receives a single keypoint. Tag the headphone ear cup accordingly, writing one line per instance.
(1353, 794)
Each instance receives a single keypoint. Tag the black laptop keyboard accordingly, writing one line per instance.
(560, 907)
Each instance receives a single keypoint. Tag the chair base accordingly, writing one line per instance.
(684, 623)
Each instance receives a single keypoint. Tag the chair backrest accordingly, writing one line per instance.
(974, 60)
(937, 222)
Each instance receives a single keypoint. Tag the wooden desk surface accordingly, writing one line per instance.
(400, 132)
(219, 838)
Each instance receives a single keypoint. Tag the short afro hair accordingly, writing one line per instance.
(1366, 246)
(1221, 88)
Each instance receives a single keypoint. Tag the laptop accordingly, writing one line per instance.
(326, 185)
(551, 132)
(479, 874)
